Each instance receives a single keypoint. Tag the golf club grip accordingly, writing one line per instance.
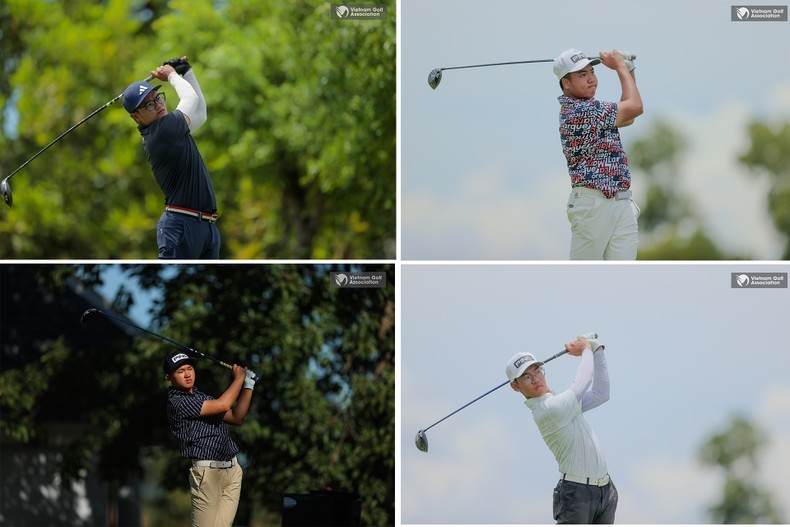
(560, 354)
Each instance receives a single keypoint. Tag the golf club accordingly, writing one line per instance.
(5, 186)
(92, 312)
(421, 440)
(435, 76)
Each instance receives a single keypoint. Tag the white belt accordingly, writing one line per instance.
(213, 464)
(601, 482)
(619, 195)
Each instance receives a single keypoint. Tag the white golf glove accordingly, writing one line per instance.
(249, 380)
(629, 62)
(592, 338)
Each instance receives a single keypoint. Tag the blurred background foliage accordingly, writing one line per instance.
(669, 227)
(300, 140)
(323, 415)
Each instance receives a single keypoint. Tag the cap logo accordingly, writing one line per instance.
(180, 356)
(576, 58)
(522, 360)
(143, 88)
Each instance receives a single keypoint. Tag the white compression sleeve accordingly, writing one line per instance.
(187, 98)
(584, 375)
(599, 393)
(201, 115)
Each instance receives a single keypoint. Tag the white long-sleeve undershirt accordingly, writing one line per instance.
(190, 98)
(592, 370)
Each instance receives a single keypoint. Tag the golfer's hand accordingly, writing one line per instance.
(613, 59)
(577, 347)
(239, 372)
(162, 72)
(249, 380)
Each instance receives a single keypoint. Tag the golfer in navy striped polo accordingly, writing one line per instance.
(198, 423)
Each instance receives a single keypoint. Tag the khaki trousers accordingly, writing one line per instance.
(215, 495)
(602, 228)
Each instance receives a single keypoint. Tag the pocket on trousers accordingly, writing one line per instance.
(636, 209)
(196, 475)
(562, 496)
(579, 208)
(169, 235)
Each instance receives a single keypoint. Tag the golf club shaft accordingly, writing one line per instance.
(171, 341)
(628, 57)
(61, 136)
(563, 352)
(498, 64)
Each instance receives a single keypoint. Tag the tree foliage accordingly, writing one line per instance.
(735, 450)
(668, 227)
(322, 416)
(769, 153)
(300, 140)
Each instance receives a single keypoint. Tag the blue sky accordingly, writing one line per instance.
(686, 352)
(482, 171)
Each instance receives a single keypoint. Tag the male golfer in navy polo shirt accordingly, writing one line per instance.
(187, 229)
(198, 423)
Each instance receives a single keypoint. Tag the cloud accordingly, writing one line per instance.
(484, 217)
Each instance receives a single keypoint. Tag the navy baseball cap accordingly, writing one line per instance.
(134, 94)
(174, 360)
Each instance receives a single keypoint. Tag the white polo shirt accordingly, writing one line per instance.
(563, 427)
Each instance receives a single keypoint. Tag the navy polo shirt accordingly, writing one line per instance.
(199, 437)
(177, 164)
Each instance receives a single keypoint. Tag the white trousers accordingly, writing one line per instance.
(602, 228)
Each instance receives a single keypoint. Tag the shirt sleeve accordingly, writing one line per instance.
(599, 393)
(188, 407)
(607, 115)
(584, 375)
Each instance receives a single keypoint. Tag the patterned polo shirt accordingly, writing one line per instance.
(199, 437)
(591, 144)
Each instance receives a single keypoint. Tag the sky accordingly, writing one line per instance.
(686, 352)
(482, 171)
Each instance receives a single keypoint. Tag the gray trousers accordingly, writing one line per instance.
(578, 503)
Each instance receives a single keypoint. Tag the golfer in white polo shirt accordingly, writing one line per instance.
(585, 492)
(602, 215)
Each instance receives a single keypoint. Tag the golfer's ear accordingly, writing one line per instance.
(514, 385)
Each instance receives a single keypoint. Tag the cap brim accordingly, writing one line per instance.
(584, 63)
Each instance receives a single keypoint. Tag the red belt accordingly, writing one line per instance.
(209, 217)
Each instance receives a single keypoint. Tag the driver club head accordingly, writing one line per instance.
(421, 440)
(5, 189)
(434, 78)
(88, 314)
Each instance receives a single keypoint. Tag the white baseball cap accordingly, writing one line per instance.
(518, 364)
(572, 60)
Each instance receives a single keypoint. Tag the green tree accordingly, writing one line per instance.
(322, 416)
(769, 153)
(668, 227)
(735, 450)
(300, 139)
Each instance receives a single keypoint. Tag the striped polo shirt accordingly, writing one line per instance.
(199, 437)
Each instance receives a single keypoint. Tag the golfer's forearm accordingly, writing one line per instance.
(239, 412)
(201, 113)
(187, 98)
(630, 93)
(584, 374)
(231, 394)
(599, 393)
